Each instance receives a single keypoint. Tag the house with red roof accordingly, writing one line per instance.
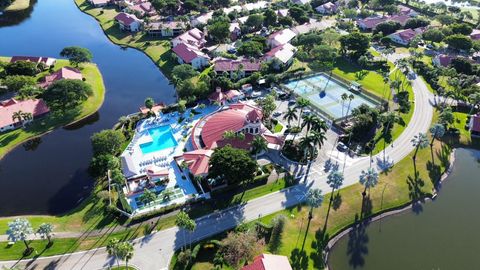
(405, 36)
(269, 262)
(370, 23)
(222, 98)
(61, 74)
(99, 3)
(474, 125)
(239, 68)
(142, 9)
(165, 29)
(188, 54)
(280, 38)
(194, 37)
(475, 35)
(241, 117)
(9, 107)
(235, 31)
(196, 162)
(128, 22)
(327, 8)
(47, 61)
(443, 60)
(283, 53)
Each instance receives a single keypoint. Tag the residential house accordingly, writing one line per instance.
(282, 54)
(222, 98)
(474, 125)
(404, 10)
(327, 8)
(404, 37)
(201, 19)
(193, 37)
(99, 3)
(269, 262)
(189, 54)
(282, 12)
(128, 22)
(443, 60)
(255, 5)
(235, 31)
(8, 108)
(47, 61)
(165, 29)
(61, 74)
(280, 38)
(301, 2)
(237, 68)
(475, 35)
(370, 23)
(142, 9)
(197, 162)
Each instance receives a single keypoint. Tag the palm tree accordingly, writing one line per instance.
(26, 117)
(229, 135)
(258, 144)
(147, 197)
(308, 121)
(113, 250)
(388, 119)
(437, 130)
(149, 103)
(318, 137)
(290, 115)
(17, 116)
(418, 141)
(386, 79)
(350, 98)
(314, 200)
(319, 125)
(368, 179)
(184, 221)
(45, 230)
(335, 181)
(302, 103)
(306, 143)
(123, 121)
(344, 97)
(125, 252)
(20, 229)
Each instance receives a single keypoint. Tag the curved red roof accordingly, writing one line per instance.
(217, 124)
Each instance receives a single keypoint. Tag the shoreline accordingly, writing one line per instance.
(392, 211)
(102, 90)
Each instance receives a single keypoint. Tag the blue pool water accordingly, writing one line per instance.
(330, 100)
(162, 139)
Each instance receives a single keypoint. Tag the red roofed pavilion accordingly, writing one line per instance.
(269, 262)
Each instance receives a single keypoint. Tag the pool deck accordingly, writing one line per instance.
(135, 163)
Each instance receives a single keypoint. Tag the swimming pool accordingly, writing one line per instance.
(325, 94)
(162, 138)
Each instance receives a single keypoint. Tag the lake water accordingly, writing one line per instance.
(49, 176)
(444, 235)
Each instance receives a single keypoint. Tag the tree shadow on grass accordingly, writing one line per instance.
(299, 259)
(337, 201)
(415, 192)
(319, 245)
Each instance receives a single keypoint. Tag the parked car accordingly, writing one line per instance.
(232, 50)
(342, 147)
(307, 112)
(276, 114)
(292, 102)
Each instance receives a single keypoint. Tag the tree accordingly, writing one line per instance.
(314, 199)
(45, 230)
(355, 44)
(29, 91)
(290, 115)
(16, 82)
(285, 21)
(268, 106)
(125, 252)
(76, 55)
(101, 163)
(254, 22)
(147, 197)
(368, 179)
(251, 49)
(149, 103)
(309, 40)
(270, 17)
(219, 31)
(433, 35)
(437, 131)
(25, 68)
(459, 42)
(259, 144)
(387, 28)
(446, 117)
(65, 95)
(182, 73)
(419, 141)
(184, 221)
(350, 98)
(240, 246)
(107, 142)
(113, 250)
(323, 58)
(461, 28)
(232, 164)
(298, 14)
(302, 103)
(20, 229)
(416, 22)
(17, 116)
(445, 19)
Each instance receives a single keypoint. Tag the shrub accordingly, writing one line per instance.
(277, 224)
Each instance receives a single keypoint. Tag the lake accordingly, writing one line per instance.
(49, 176)
(443, 235)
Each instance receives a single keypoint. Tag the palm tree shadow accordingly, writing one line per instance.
(337, 201)
(416, 194)
(357, 244)
(299, 259)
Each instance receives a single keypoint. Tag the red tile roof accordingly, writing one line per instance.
(63, 73)
(36, 107)
(197, 161)
(125, 18)
(217, 124)
(254, 116)
(223, 65)
(187, 53)
(34, 59)
(269, 262)
(372, 22)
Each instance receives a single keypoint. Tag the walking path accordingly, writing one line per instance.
(153, 252)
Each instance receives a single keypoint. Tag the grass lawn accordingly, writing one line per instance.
(154, 47)
(396, 188)
(18, 5)
(278, 128)
(91, 73)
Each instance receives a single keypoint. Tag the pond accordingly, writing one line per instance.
(441, 235)
(49, 175)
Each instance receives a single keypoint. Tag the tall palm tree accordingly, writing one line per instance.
(149, 103)
(308, 121)
(314, 200)
(302, 103)
(350, 98)
(307, 145)
(184, 221)
(388, 119)
(318, 137)
(319, 125)
(368, 179)
(344, 97)
(27, 116)
(290, 115)
(437, 131)
(419, 141)
(259, 144)
(386, 79)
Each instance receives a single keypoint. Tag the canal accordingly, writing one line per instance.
(441, 235)
(50, 175)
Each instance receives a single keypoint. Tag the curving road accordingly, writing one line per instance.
(154, 252)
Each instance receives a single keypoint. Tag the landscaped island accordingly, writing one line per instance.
(14, 5)
(88, 72)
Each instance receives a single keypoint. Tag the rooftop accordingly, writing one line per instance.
(8, 107)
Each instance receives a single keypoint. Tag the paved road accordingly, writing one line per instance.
(154, 252)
